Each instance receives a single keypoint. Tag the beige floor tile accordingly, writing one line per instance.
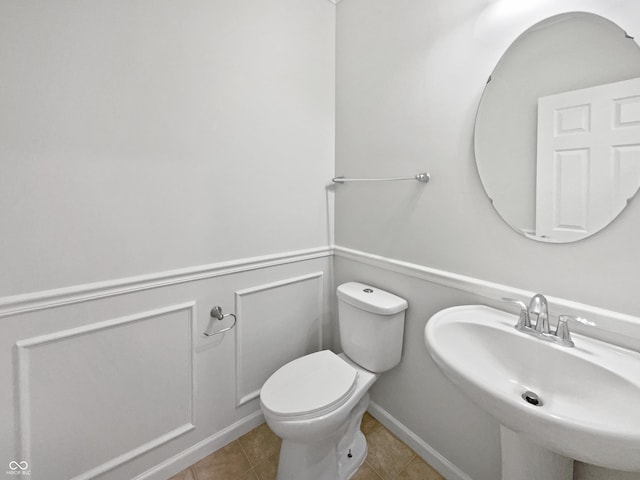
(268, 469)
(260, 444)
(365, 472)
(254, 456)
(186, 474)
(228, 463)
(250, 475)
(369, 424)
(419, 470)
(387, 455)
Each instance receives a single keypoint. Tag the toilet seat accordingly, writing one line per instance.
(309, 386)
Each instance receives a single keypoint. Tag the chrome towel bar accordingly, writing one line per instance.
(420, 177)
(216, 313)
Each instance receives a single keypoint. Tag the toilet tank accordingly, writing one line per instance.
(371, 325)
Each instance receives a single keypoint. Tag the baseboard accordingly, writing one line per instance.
(205, 447)
(422, 448)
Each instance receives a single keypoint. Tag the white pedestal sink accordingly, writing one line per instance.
(524, 460)
(587, 396)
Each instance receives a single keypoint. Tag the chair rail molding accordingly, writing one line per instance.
(608, 325)
(31, 302)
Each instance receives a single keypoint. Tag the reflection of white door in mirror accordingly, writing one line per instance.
(588, 159)
(564, 53)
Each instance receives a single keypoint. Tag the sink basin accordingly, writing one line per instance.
(589, 395)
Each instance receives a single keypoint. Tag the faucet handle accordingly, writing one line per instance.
(562, 330)
(523, 319)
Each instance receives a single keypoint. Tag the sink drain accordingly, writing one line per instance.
(532, 398)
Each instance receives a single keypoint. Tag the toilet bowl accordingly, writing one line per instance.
(318, 441)
(315, 403)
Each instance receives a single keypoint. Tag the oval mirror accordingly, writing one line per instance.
(557, 134)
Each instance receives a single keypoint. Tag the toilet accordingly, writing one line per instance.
(315, 403)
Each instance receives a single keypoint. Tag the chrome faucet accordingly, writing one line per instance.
(539, 308)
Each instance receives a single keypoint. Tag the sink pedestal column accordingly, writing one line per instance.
(525, 460)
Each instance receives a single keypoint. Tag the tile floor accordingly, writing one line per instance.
(254, 456)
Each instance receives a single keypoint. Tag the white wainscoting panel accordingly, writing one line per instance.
(93, 397)
(277, 322)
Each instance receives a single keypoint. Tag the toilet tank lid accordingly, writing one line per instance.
(371, 299)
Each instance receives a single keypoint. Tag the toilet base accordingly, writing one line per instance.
(348, 466)
(327, 459)
(320, 462)
(352, 448)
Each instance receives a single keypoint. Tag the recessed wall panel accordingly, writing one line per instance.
(277, 322)
(93, 397)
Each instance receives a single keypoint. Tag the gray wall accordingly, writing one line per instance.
(410, 75)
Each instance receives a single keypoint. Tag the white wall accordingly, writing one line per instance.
(143, 136)
(157, 158)
(410, 74)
